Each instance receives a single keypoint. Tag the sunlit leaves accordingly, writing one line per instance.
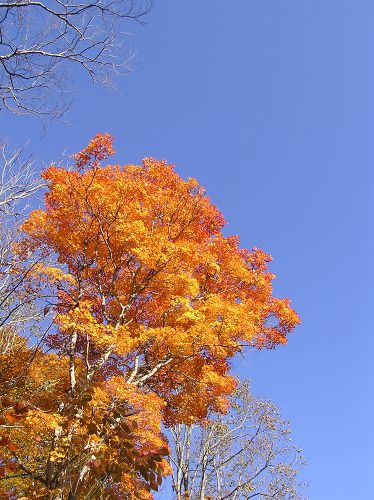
(149, 302)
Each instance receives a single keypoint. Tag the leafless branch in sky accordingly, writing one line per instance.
(41, 42)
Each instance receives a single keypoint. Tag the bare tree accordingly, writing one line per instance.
(245, 454)
(41, 39)
(18, 183)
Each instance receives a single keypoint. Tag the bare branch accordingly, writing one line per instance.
(18, 182)
(41, 40)
(244, 454)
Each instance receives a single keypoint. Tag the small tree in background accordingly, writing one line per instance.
(246, 453)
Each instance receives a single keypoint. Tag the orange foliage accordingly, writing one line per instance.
(152, 302)
(99, 148)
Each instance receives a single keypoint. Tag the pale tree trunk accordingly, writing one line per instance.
(181, 479)
(73, 343)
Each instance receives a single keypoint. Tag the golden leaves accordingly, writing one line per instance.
(152, 302)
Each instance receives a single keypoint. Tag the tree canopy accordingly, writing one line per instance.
(149, 302)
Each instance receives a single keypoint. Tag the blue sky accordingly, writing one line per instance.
(270, 105)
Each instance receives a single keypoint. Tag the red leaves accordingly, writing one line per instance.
(19, 407)
(6, 441)
(99, 148)
(13, 412)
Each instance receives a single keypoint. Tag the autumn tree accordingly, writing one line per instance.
(18, 313)
(40, 41)
(245, 453)
(149, 303)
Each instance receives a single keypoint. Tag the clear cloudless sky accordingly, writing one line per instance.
(270, 105)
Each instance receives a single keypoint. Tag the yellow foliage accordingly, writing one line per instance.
(152, 302)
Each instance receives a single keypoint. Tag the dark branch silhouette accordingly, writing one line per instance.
(41, 40)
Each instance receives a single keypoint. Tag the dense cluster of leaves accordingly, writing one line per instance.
(149, 302)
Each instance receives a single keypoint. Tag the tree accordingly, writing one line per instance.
(40, 40)
(18, 183)
(150, 302)
(246, 453)
(96, 445)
